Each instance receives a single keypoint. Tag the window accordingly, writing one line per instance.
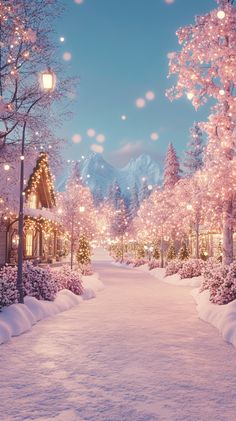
(29, 244)
(32, 201)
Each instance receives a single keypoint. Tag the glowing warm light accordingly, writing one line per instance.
(190, 96)
(150, 95)
(97, 148)
(123, 117)
(6, 167)
(67, 56)
(91, 133)
(221, 14)
(100, 138)
(76, 138)
(140, 103)
(222, 92)
(62, 39)
(150, 187)
(47, 80)
(22, 157)
(81, 209)
(154, 136)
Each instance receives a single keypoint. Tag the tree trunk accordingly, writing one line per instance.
(197, 239)
(228, 232)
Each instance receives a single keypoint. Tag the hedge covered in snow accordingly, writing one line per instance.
(40, 283)
(220, 281)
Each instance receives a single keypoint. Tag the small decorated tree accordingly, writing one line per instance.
(140, 251)
(171, 252)
(83, 254)
(156, 252)
(183, 252)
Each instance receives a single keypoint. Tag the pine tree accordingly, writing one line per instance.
(193, 160)
(183, 252)
(134, 202)
(144, 191)
(140, 251)
(156, 252)
(114, 194)
(171, 252)
(120, 220)
(172, 168)
(83, 254)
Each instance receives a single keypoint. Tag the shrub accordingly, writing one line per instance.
(139, 262)
(220, 280)
(173, 267)
(153, 264)
(8, 291)
(183, 252)
(39, 282)
(171, 252)
(65, 278)
(191, 268)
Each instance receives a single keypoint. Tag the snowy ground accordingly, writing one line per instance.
(136, 353)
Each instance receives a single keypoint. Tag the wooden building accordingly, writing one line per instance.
(43, 236)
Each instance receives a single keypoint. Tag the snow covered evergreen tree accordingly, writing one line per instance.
(172, 168)
(114, 194)
(134, 202)
(83, 253)
(193, 160)
(144, 191)
(171, 252)
(183, 252)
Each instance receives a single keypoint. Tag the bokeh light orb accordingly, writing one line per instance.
(97, 148)
(91, 133)
(140, 103)
(154, 136)
(67, 56)
(150, 95)
(76, 138)
(100, 138)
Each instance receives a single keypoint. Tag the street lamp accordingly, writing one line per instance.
(47, 84)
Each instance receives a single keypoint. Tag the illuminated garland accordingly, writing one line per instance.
(35, 178)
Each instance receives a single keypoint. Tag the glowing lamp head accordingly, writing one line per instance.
(48, 80)
(81, 209)
(221, 14)
(190, 96)
(6, 167)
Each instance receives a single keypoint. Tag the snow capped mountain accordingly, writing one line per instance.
(99, 174)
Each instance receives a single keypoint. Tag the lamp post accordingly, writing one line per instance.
(47, 83)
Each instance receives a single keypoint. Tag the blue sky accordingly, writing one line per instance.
(119, 50)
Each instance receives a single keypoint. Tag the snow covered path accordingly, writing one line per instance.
(137, 352)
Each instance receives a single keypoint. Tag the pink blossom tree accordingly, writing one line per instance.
(172, 168)
(77, 213)
(26, 49)
(193, 160)
(205, 68)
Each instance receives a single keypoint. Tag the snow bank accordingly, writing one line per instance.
(92, 284)
(223, 317)
(19, 318)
